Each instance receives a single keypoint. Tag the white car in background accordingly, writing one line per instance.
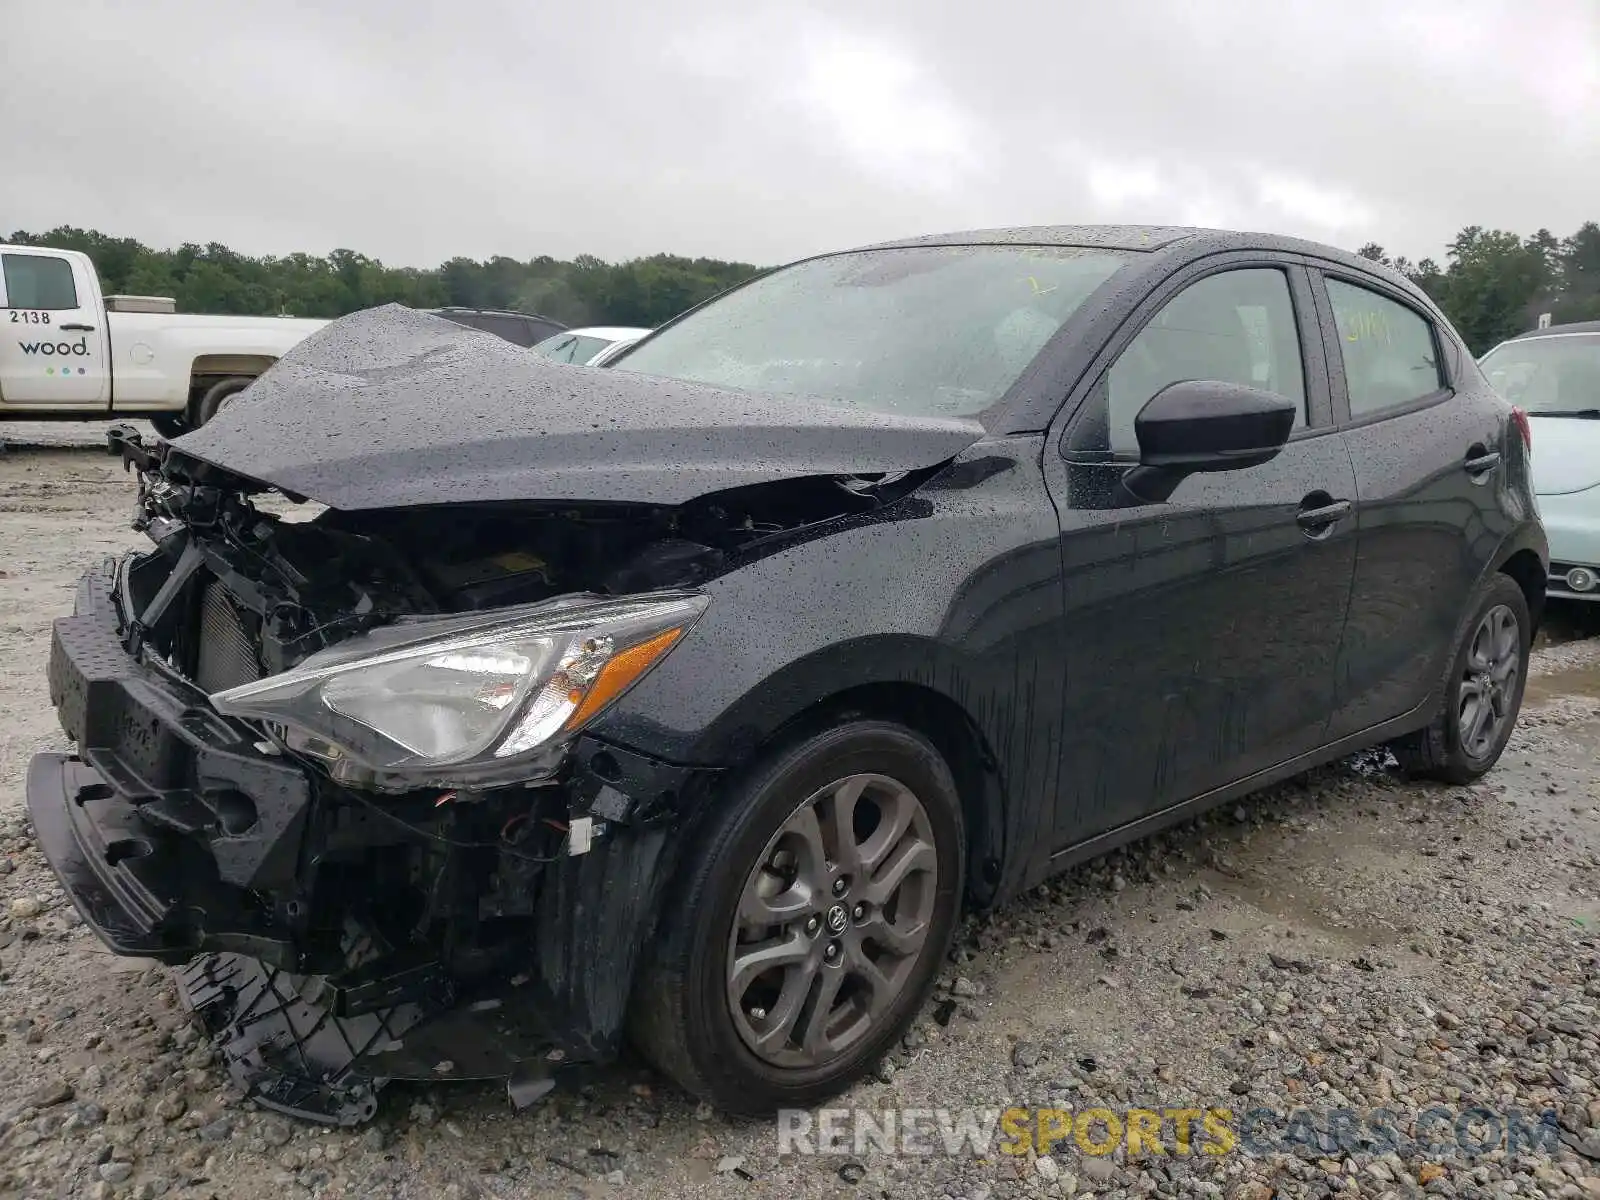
(589, 347)
(1553, 374)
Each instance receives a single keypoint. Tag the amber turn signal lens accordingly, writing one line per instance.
(621, 671)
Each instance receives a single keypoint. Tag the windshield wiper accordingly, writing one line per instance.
(1590, 413)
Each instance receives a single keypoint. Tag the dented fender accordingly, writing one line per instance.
(954, 590)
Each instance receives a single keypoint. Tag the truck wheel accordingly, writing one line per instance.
(219, 396)
(811, 914)
(170, 425)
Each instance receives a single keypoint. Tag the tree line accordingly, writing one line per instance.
(1493, 283)
(215, 279)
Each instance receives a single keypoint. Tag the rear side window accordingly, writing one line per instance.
(1390, 355)
(1236, 327)
(512, 329)
(539, 329)
(35, 281)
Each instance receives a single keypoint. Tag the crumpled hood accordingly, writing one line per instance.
(391, 407)
(1566, 454)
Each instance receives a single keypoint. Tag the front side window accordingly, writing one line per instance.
(1390, 357)
(1234, 327)
(38, 281)
(934, 330)
(1551, 375)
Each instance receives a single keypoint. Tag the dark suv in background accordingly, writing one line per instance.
(520, 329)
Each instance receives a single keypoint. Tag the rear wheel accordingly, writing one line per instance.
(1483, 690)
(809, 922)
(219, 395)
(170, 425)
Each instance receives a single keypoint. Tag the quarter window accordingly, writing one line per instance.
(1234, 327)
(38, 281)
(1390, 355)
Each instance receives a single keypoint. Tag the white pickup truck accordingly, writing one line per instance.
(66, 351)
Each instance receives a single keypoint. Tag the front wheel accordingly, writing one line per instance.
(1483, 689)
(811, 916)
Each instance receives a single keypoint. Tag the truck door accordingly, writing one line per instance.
(53, 336)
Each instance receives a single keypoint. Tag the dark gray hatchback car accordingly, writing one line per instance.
(691, 699)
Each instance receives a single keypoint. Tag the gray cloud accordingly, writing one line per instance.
(416, 132)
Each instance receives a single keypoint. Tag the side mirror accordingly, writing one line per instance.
(1204, 425)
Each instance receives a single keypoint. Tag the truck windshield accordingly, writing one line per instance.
(1557, 373)
(932, 330)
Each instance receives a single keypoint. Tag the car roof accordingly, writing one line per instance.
(1558, 330)
(1114, 237)
(1192, 239)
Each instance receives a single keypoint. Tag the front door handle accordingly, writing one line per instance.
(77, 328)
(1480, 464)
(1323, 514)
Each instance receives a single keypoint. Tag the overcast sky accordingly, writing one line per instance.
(416, 131)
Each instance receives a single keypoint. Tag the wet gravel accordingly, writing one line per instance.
(1345, 941)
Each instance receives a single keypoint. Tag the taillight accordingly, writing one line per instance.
(1523, 427)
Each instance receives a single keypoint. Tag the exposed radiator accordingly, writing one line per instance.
(227, 655)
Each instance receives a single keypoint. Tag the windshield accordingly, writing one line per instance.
(935, 330)
(1557, 373)
(571, 347)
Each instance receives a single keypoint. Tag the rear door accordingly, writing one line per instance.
(53, 344)
(1429, 463)
(1201, 633)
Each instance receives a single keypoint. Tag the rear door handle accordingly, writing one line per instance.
(78, 328)
(1320, 519)
(1481, 464)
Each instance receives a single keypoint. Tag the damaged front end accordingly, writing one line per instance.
(337, 770)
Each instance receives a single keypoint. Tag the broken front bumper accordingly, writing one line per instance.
(178, 839)
(168, 825)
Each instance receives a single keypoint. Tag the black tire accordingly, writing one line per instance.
(170, 425)
(680, 1015)
(219, 394)
(1438, 752)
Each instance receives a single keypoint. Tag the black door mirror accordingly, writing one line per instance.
(1204, 425)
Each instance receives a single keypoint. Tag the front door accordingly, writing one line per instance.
(1202, 633)
(53, 340)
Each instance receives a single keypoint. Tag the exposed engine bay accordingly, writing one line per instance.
(343, 920)
(306, 585)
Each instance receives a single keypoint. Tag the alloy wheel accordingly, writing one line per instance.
(1489, 682)
(832, 921)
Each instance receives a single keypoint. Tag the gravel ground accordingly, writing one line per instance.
(1344, 941)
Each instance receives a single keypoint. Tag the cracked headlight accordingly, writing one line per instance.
(447, 701)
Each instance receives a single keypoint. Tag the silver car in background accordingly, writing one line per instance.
(1553, 375)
